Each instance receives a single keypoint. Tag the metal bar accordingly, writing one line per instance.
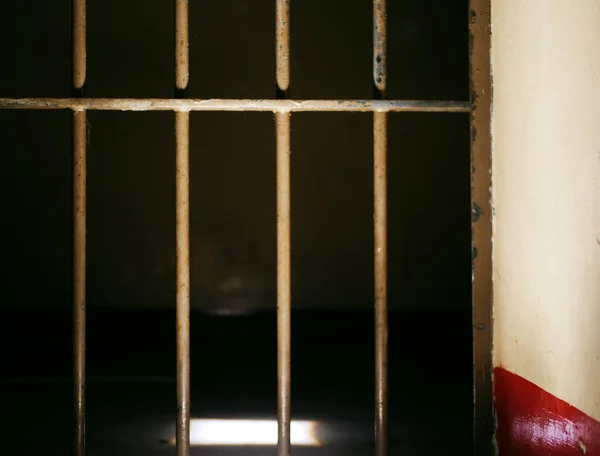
(282, 47)
(282, 133)
(282, 122)
(79, 227)
(380, 123)
(381, 310)
(380, 46)
(79, 285)
(79, 45)
(182, 183)
(132, 104)
(481, 225)
(182, 60)
(182, 126)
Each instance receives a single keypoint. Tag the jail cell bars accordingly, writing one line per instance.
(79, 225)
(282, 106)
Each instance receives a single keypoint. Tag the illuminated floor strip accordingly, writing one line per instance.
(249, 432)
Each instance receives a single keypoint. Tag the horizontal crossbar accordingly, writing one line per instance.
(156, 104)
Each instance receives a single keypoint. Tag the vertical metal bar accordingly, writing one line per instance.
(481, 225)
(79, 226)
(182, 60)
(380, 47)
(182, 145)
(282, 121)
(79, 244)
(380, 123)
(183, 282)
(79, 45)
(282, 47)
(381, 305)
(282, 133)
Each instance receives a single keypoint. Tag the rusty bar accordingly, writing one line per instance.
(282, 48)
(381, 311)
(380, 46)
(282, 125)
(132, 104)
(182, 61)
(79, 227)
(282, 132)
(380, 126)
(481, 225)
(79, 254)
(182, 183)
(182, 131)
(79, 45)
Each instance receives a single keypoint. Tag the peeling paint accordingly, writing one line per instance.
(476, 212)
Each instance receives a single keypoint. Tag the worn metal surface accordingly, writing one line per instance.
(182, 59)
(482, 213)
(130, 104)
(381, 304)
(182, 132)
(79, 275)
(282, 134)
(380, 46)
(282, 125)
(79, 45)
(282, 47)
(79, 228)
(182, 235)
(380, 124)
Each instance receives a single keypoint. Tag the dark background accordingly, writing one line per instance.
(131, 221)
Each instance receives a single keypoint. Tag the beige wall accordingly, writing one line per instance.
(546, 195)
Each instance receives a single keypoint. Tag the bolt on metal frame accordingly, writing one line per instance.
(282, 107)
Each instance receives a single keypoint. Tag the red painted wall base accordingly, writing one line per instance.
(532, 422)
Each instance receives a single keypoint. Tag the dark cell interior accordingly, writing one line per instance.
(131, 228)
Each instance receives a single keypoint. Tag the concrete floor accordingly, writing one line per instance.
(131, 390)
